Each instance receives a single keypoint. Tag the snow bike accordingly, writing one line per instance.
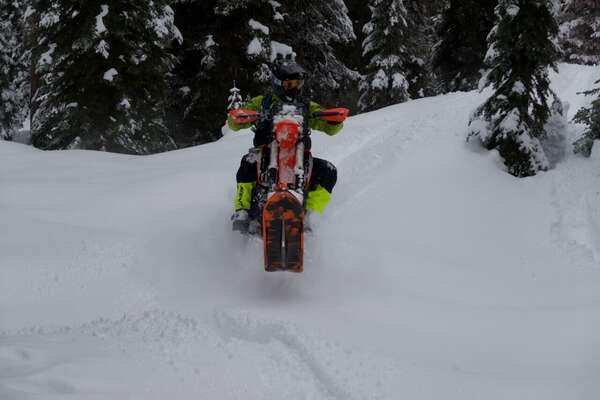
(284, 168)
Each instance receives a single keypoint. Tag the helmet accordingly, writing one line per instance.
(287, 79)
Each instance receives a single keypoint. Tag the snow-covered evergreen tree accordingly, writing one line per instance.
(589, 116)
(14, 68)
(103, 67)
(513, 120)
(459, 55)
(235, 98)
(225, 40)
(259, 50)
(314, 29)
(580, 31)
(422, 42)
(387, 46)
(395, 46)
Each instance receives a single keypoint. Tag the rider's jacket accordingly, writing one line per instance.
(267, 106)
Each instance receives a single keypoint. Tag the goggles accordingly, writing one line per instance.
(292, 84)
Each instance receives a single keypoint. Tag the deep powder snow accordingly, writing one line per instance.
(433, 275)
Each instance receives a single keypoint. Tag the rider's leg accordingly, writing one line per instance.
(323, 179)
(246, 180)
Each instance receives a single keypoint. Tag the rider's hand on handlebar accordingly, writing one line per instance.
(241, 116)
(333, 116)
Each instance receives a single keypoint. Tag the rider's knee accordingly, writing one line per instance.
(332, 170)
(327, 174)
(247, 170)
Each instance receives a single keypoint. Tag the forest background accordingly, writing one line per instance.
(142, 77)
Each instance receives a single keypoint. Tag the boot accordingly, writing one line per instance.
(240, 221)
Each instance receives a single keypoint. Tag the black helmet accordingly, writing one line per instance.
(287, 78)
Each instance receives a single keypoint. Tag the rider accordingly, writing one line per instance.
(287, 81)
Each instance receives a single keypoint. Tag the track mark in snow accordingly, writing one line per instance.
(144, 349)
(265, 332)
(163, 353)
(577, 208)
(414, 125)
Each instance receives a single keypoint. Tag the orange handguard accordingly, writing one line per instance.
(333, 114)
(241, 116)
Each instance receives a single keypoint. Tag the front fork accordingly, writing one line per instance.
(267, 177)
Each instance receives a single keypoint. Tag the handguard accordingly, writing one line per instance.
(337, 115)
(241, 116)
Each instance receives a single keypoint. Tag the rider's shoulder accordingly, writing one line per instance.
(257, 99)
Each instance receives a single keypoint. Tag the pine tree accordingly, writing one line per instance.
(580, 31)
(14, 68)
(235, 98)
(103, 69)
(422, 36)
(459, 55)
(513, 120)
(396, 46)
(351, 53)
(317, 31)
(589, 116)
(387, 47)
(225, 40)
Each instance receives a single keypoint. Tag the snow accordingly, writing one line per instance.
(433, 274)
(185, 90)
(513, 10)
(555, 6)
(281, 48)
(209, 42)
(255, 47)
(519, 88)
(46, 57)
(277, 16)
(110, 74)
(138, 58)
(28, 12)
(164, 25)
(399, 81)
(257, 26)
(511, 122)
(102, 48)
(48, 19)
(125, 103)
(100, 27)
(380, 80)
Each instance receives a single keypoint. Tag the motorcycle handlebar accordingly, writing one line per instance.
(338, 115)
(320, 114)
